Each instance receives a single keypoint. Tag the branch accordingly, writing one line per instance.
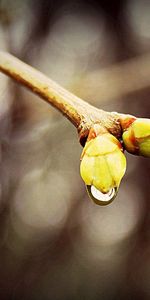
(103, 163)
(79, 112)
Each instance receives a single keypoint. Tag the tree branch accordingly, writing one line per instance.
(79, 112)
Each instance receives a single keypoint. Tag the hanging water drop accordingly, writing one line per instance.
(101, 198)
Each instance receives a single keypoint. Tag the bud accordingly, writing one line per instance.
(103, 163)
(136, 137)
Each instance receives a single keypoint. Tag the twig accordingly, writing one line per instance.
(79, 112)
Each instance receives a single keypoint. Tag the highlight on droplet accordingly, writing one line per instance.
(101, 198)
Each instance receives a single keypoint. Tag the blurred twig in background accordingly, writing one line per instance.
(114, 82)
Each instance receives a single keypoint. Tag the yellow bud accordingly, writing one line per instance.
(103, 162)
(136, 137)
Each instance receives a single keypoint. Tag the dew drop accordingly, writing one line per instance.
(99, 197)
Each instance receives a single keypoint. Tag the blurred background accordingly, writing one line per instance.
(54, 242)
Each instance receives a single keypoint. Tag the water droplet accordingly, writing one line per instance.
(99, 197)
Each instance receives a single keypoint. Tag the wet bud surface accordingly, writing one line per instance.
(103, 165)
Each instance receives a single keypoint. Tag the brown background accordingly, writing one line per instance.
(54, 242)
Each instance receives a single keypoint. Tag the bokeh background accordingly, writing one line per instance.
(54, 242)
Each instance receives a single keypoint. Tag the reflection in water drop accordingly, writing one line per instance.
(99, 197)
